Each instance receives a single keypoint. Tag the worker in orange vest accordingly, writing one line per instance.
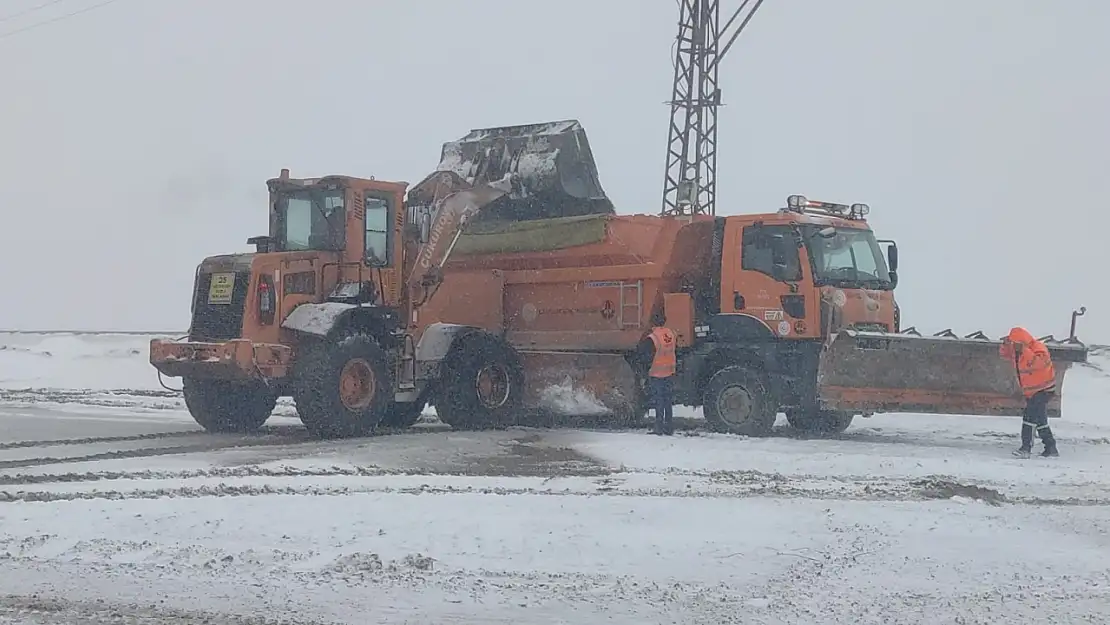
(1037, 378)
(658, 348)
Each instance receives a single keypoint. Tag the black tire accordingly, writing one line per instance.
(403, 415)
(736, 400)
(224, 406)
(463, 402)
(820, 421)
(325, 369)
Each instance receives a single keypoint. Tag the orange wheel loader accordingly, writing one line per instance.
(506, 273)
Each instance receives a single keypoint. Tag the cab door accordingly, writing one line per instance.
(768, 278)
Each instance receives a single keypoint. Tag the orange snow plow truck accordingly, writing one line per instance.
(507, 272)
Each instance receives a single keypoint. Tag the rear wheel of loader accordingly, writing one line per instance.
(403, 415)
(343, 388)
(482, 385)
(736, 400)
(225, 406)
(820, 421)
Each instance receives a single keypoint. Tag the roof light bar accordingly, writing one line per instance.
(801, 204)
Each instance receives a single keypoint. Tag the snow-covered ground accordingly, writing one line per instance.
(115, 508)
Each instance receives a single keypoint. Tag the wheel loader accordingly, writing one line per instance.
(507, 272)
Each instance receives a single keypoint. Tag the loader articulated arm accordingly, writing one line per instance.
(454, 203)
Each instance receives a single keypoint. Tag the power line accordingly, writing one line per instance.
(54, 20)
(28, 11)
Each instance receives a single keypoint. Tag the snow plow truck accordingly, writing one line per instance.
(507, 271)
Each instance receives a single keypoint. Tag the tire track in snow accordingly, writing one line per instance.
(273, 430)
(16, 609)
(737, 485)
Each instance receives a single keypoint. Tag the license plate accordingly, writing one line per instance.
(219, 292)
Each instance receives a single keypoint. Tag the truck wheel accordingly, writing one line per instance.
(226, 406)
(343, 388)
(403, 415)
(482, 385)
(736, 400)
(820, 421)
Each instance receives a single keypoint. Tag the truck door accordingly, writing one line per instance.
(766, 277)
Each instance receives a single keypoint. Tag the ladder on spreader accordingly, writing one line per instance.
(636, 305)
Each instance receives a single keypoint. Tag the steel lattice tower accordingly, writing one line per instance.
(690, 187)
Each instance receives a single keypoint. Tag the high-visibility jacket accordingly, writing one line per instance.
(665, 362)
(1033, 364)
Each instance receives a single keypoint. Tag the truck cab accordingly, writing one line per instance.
(805, 272)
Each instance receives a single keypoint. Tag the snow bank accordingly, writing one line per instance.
(77, 361)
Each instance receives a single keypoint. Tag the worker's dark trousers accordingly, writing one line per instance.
(1035, 417)
(660, 393)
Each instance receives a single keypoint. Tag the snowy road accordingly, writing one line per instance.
(114, 508)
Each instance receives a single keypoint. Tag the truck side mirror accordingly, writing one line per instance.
(891, 260)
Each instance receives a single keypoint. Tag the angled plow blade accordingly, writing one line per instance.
(945, 373)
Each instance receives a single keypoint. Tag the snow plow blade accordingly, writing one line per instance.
(865, 372)
(551, 166)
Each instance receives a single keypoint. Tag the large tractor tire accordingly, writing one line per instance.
(482, 384)
(819, 421)
(736, 400)
(343, 388)
(224, 406)
(403, 415)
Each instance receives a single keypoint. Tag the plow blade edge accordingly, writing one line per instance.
(552, 164)
(878, 372)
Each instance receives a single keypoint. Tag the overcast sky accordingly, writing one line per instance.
(135, 139)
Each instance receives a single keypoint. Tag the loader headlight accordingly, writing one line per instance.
(860, 209)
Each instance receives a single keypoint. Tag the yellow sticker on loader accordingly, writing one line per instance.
(219, 292)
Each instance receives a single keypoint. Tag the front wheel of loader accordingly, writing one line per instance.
(736, 400)
(343, 388)
(820, 421)
(228, 407)
(482, 385)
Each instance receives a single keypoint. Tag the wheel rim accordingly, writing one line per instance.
(493, 386)
(735, 405)
(357, 384)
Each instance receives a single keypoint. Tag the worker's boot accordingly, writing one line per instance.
(1026, 441)
(1049, 443)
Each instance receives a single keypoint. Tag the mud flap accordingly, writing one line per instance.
(551, 164)
(864, 372)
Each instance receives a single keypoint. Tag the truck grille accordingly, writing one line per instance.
(218, 322)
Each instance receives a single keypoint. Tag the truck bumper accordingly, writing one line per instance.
(238, 359)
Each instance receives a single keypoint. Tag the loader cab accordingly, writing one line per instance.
(810, 269)
(347, 230)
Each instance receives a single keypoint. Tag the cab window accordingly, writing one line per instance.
(378, 250)
(757, 251)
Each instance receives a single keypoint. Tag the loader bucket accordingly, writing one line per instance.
(553, 167)
(864, 372)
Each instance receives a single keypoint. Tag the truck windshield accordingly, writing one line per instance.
(851, 258)
(309, 219)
